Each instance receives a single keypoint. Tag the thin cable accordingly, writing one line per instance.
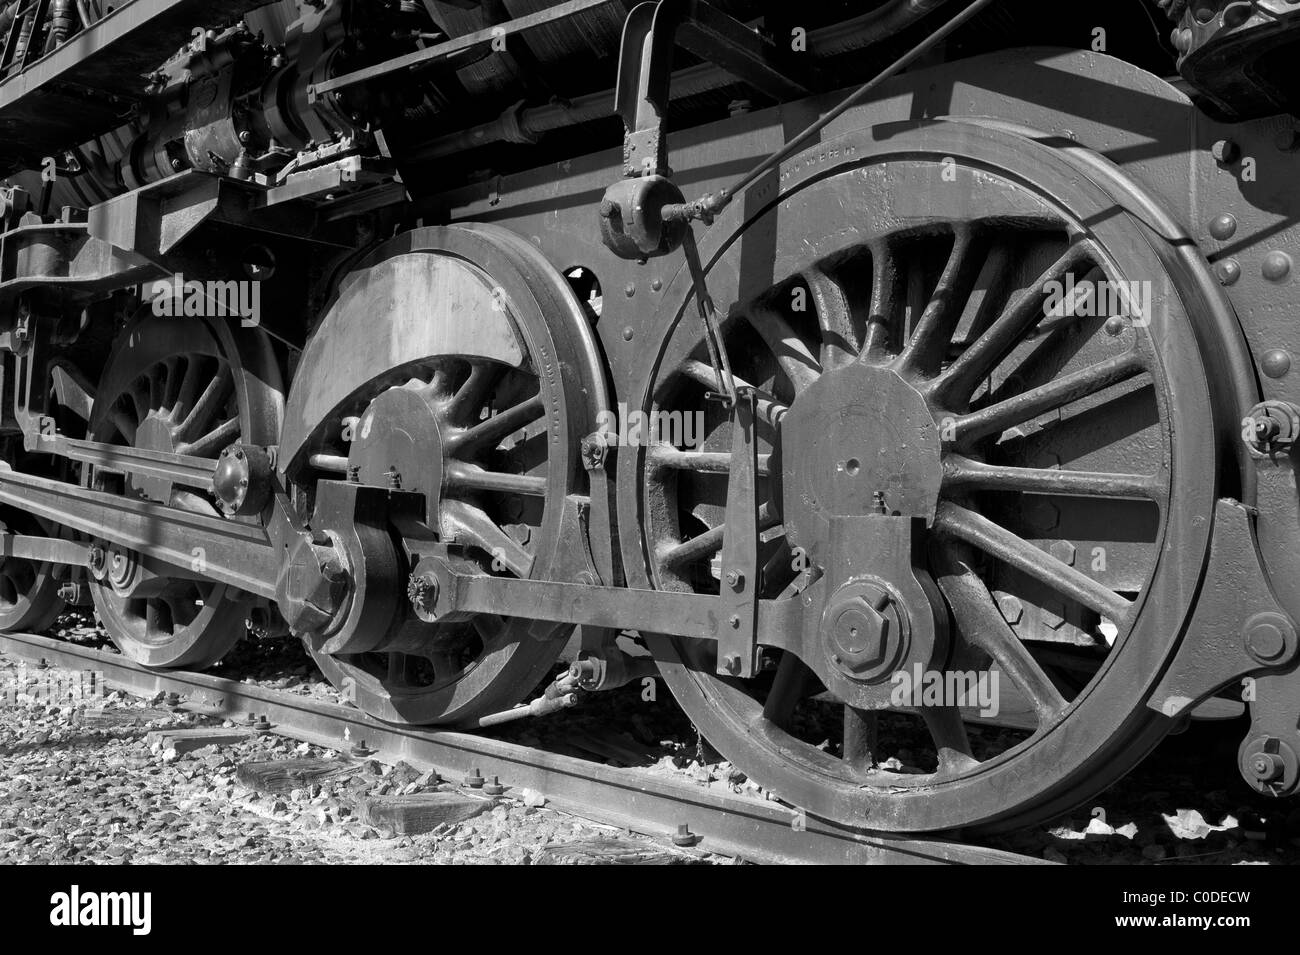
(719, 201)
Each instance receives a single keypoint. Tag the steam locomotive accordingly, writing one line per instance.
(835, 360)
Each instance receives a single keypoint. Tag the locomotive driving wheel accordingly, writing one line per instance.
(182, 386)
(29, 589)
(456, 364)
(977, 376)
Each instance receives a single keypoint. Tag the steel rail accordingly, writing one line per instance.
(726, 823)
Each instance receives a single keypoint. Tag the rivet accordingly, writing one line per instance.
(1276, 363)
(1224, 226)
(1115, 325)
(1225, 151)
(1287, 140)
(629, 290)
(1277, 266)
(1228, 271)
(627, 333)
(657, 284)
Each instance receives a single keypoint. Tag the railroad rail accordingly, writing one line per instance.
(726, 824)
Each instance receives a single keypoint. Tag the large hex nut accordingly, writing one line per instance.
(863, 633)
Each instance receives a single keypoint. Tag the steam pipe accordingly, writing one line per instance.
(520, 125)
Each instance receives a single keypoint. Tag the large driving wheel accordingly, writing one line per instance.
(894, 305)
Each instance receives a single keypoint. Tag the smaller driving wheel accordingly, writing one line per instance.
(29, 591)
(177, 386)
(456, 364)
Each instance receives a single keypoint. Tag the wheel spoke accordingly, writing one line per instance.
(963, 473)
(709, 542)
(470, 525)
(929, 343)
(789, 686)
(208, 405)
(840, 343)
(884, 304)
(460, 476)
(1009, 412)
(1025, 310)
(190, 380)
(473, 394)
(982, 625)
(172, 386)
(701, 462)
(958, 522)
(157, 379)
(124, 425)
(139, 395)
(207, 445)
(767, 409)
(861, 738)
(950, 739)
(779, 569)
(489, 433)
(792, 355)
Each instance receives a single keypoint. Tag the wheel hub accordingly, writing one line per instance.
(865, 631)
(859, 440)
(398, 443)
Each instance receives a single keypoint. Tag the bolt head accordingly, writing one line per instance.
(1225, 151)
(1223, 226)
(1064, 551)
(1276, 266)
(422, 591)
(1228, 271)
(1010, 607)
(860, 635)
(1268, 636)
(1276, 363)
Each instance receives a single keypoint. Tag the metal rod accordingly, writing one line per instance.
(458, 45)
(720, 200)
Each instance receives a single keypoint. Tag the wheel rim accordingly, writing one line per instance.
(866, 280)
(487, 429)
(182, 386)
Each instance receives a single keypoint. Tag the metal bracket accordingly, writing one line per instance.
(738, 632)
(650, 34)
(1238, 628)
(54, 550)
